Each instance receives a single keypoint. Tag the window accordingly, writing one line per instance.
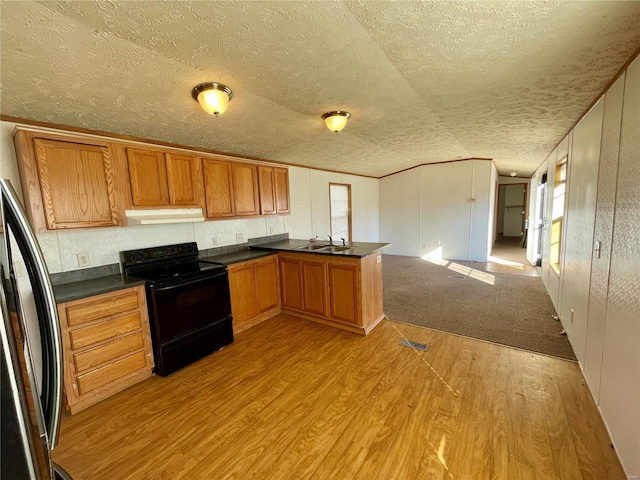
(340, 210)
(557, 214)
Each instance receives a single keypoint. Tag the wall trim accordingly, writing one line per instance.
(437, 163)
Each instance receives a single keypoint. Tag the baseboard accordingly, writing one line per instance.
(332, 323)
(256, 320)
(606, 425)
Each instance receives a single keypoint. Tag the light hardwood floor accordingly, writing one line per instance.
(291, 399)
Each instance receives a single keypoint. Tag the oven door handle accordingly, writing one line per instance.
(191, 282)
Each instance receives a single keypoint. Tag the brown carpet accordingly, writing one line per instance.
(463, 298)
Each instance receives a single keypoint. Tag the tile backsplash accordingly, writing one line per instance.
(103, 245)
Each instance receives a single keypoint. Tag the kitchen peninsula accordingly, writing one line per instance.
(339, 285)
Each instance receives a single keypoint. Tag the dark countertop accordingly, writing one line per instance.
(359, 249)
(231, 258)
(87, 288)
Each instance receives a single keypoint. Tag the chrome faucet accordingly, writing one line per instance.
(344, 242)
(330, 240)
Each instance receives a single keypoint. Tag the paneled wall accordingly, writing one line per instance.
(444, 209)
(597, 293)
(309, 205)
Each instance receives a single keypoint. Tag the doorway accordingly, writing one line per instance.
(509, 253)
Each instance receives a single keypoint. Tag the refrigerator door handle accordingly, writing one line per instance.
(52, 420)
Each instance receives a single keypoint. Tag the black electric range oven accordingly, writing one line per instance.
(188, 300)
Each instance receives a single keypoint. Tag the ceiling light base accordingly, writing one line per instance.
(213, 97)
(336, 120)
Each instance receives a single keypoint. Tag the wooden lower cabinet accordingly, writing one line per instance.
(255, 296)
(107, 345)
(345, 292)
(314, 287)
(344, 287)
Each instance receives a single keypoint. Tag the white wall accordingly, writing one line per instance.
(429, 209)
(309, 217)
(310, 204)
(620, 379)
(400, 212)
(578, 226)
(483, 191)
(603, 189)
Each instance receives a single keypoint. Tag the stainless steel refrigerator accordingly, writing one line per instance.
(30, 351)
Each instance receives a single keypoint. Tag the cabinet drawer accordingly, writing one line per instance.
(105, 306)
(111, 372)
(106, 353)
(83, 337)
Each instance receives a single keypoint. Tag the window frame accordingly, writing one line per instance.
(349, 210)
(557, 223)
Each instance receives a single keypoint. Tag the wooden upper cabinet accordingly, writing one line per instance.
(281, 182)
(148, 175)
(274, 190)
(266, 183)
(76, 184)
(218, 188)
(245, 188)
(160, 179)
(184, 177)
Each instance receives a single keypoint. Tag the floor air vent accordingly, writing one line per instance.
(418, 346)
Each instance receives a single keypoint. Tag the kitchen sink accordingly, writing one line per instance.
(312, 246)
(335, 248)
(323, 248)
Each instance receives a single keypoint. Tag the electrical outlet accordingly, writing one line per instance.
(240, 238)
(214, 241)
(272, 229)
(83, 260)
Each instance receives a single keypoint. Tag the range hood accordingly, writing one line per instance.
(165, 215)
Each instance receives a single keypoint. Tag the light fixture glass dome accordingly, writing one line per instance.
(213, 97)
(336, 120)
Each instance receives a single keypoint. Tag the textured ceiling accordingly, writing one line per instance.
(424, 81)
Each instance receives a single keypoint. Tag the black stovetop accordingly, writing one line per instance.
(181, 271)
(167, 263)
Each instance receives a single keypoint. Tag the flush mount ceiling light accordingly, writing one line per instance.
(513, 174)
(212, 97)
(336, 120)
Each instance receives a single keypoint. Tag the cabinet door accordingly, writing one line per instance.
(242, 286)
(291, 283)
(267, 191)
(184, 178)
(267, 293)
(148, 175)
(245, 188)
(218, 187)
(343, 289)
(314, 286)
(76, 184)
(281, 181)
